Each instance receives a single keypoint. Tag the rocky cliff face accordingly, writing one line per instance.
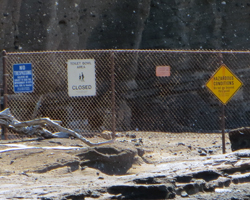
(28, 25)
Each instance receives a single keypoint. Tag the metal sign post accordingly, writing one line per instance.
(224, 85)
(223, 129)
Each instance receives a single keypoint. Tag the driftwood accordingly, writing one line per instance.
(35, 127)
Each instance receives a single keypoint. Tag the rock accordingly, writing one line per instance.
(222, 182)
(240, 138)
(108, 159)
(75, 196)
(143, 191)
(184, 194)
(184, 178)
(206, 175)
(95, 194)
(203, 154)
(193, 188)
(154, 180)
(140, 151)
(210, 151)
(180, 144)
(242, 178)
(73, 166)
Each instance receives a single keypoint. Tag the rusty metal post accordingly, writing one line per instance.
(113, 106)
(5, 92)
(223, 129)
(222, 116)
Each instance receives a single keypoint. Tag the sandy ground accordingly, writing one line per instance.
(45, 169)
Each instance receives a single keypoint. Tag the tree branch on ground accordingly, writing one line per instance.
(35, 127)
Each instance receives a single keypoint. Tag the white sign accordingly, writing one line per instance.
(81, 78)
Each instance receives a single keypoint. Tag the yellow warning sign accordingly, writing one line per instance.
(224, 84)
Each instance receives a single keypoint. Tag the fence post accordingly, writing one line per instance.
(113, 106)
(5, 92)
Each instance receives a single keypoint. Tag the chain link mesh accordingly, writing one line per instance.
(180, 103)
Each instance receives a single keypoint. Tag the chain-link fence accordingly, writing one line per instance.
(143, 101)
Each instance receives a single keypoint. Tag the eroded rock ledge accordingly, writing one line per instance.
(127, 169)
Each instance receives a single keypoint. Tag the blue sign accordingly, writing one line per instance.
(22, 78)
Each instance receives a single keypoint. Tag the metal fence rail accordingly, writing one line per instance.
(129, 94)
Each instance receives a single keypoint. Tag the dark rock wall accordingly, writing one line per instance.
(205, 24)
(28, 25)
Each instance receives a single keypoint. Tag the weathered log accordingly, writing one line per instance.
(35, 127)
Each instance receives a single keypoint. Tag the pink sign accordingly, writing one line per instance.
(162, 71)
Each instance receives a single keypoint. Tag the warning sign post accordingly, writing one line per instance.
(224, 84)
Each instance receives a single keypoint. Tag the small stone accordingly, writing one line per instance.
(210, 151)
(184, 194)
(95, 194)
(140, 152)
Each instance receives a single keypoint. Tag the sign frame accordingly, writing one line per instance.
(81, 77)
(162, 71)
(23, 78)
(226, 84)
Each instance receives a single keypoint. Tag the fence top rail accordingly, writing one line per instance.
(130, 51)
